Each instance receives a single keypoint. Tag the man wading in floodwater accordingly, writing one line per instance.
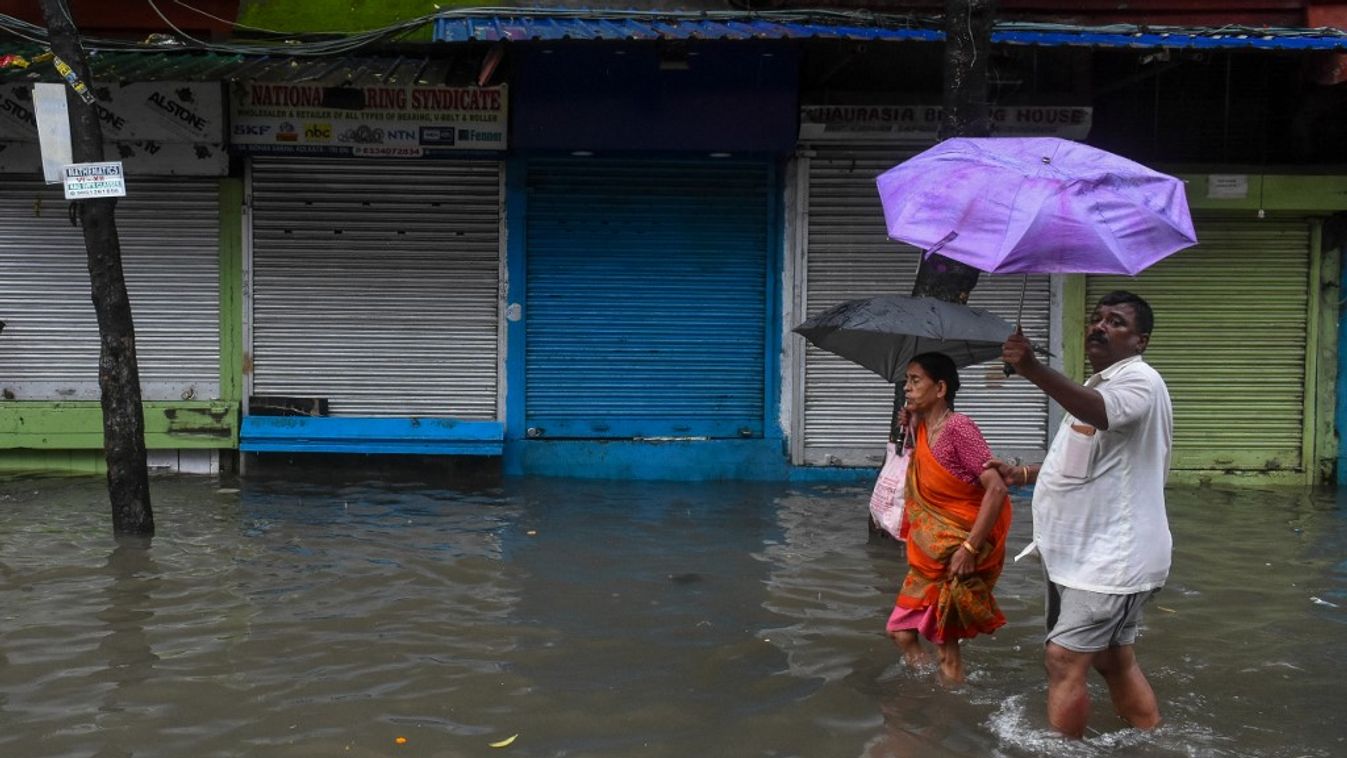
(1099, 512)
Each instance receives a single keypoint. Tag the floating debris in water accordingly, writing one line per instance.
(1321, 601)
(228, 491)
(508, 741)
(687, 578)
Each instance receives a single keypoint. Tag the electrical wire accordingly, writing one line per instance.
(41, 40)
(313, 44)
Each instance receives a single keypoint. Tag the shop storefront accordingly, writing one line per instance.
(1237, 339)
(645, 260)
(841, 411)
(647, 309)
(169, 137)
(372, 319)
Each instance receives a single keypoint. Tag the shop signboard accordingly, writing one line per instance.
(155, 128)
(373, 121)
(919, 123)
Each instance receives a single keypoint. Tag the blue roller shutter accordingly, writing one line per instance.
(646, 308)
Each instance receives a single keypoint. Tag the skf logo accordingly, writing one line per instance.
(317, 132)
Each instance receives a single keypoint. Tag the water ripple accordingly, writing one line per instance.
(315, 618)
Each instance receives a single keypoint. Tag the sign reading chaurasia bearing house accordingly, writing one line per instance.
(880, 123)
(89, 180)
(373, 121)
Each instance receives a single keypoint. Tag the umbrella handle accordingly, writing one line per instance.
(1006, 368)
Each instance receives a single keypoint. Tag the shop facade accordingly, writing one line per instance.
(170, 137)
(1246, 329)
(840, 250)
(373, 263)
(594, 269)
(645, 259)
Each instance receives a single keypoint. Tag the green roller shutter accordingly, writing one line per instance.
(1231, 334)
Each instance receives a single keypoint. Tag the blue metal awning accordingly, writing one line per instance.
(557, 25)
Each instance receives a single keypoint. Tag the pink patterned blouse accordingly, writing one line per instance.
(961, 449)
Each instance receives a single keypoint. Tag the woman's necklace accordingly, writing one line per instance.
(934, 428)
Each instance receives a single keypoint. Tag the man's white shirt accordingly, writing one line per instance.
(1099, 501)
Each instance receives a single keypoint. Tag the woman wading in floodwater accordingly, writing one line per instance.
(958, 515)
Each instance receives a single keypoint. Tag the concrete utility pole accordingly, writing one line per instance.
(118, 375)
(968, 43)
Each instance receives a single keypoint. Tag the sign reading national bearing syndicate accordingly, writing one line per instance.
(374, 121)
(917, 123)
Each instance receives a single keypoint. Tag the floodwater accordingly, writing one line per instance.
(368, 618)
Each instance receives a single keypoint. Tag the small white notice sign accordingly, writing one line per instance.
(89, 180)
(1227, 186)
(53, 129)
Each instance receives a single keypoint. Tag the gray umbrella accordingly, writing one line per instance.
(883, 333)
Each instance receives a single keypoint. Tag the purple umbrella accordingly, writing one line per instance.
(1036, 205)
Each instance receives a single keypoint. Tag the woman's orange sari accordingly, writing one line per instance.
(941, 509)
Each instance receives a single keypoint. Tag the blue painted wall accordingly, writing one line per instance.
(1341, 420)
(681, 460)
(742, 96)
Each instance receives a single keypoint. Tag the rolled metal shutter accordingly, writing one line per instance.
(375, 285)
(1231, 331)
(170, 242)
(646, 298)
(849, 255)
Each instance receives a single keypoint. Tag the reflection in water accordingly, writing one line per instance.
(127, 650)
(124, 646)
(314, 617)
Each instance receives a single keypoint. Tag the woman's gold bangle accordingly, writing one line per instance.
(969, 548)
(1024, 474)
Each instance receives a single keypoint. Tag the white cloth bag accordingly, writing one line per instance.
(887, 502)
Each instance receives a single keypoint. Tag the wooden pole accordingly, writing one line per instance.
(118, 375)
(968, 35)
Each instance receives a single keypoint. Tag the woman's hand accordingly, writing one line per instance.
(961, 564)
(1012, 472)
(905, 417)
(1006, 469)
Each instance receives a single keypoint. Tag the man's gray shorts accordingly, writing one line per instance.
(1087, 622)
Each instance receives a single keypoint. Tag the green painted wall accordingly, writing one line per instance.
(1271, 192)
(297, 16)
(231, 290)
(49, 461)
(1323, 437)
(79, 425)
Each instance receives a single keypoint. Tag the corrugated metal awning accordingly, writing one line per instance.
(158, 63)
(110, 67)
(465, 26)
